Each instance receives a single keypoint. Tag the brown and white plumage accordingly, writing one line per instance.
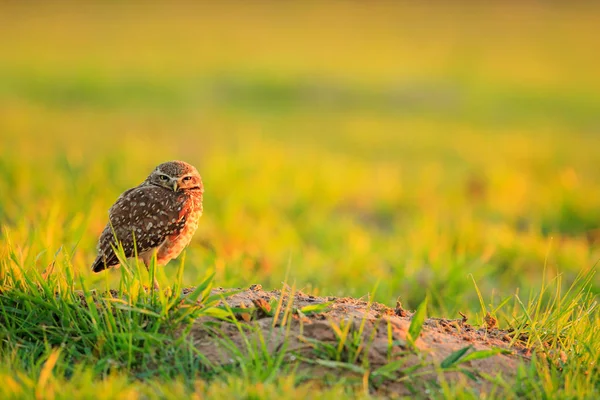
(158, 216)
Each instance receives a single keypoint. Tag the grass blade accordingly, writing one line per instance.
(453, 359)
(481, 354)
(416, 325)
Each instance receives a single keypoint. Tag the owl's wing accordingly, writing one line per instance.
(140, 220)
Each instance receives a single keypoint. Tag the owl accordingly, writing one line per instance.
(157, 217)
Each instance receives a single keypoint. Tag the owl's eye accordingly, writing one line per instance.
(163, 177)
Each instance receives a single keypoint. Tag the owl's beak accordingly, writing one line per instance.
(174, 186)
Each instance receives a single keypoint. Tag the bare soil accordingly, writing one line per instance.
(379, 326)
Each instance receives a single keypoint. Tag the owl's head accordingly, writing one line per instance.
(176, 176)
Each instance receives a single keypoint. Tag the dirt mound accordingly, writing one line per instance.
(328, 337)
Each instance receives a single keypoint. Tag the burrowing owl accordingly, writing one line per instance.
(158, 216)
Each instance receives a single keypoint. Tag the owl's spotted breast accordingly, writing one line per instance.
(176, 242)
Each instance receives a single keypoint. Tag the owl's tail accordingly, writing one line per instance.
(103, 262)
(99, 264)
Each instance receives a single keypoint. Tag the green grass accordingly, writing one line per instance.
(416, 149)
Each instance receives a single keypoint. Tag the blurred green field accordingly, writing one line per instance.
(348, 147)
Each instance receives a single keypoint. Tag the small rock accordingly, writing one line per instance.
(490, 322)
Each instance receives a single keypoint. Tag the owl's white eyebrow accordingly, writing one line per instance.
(160, 172)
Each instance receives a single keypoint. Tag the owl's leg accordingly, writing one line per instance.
(156, 287)
(147, 259)
(155, 283)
